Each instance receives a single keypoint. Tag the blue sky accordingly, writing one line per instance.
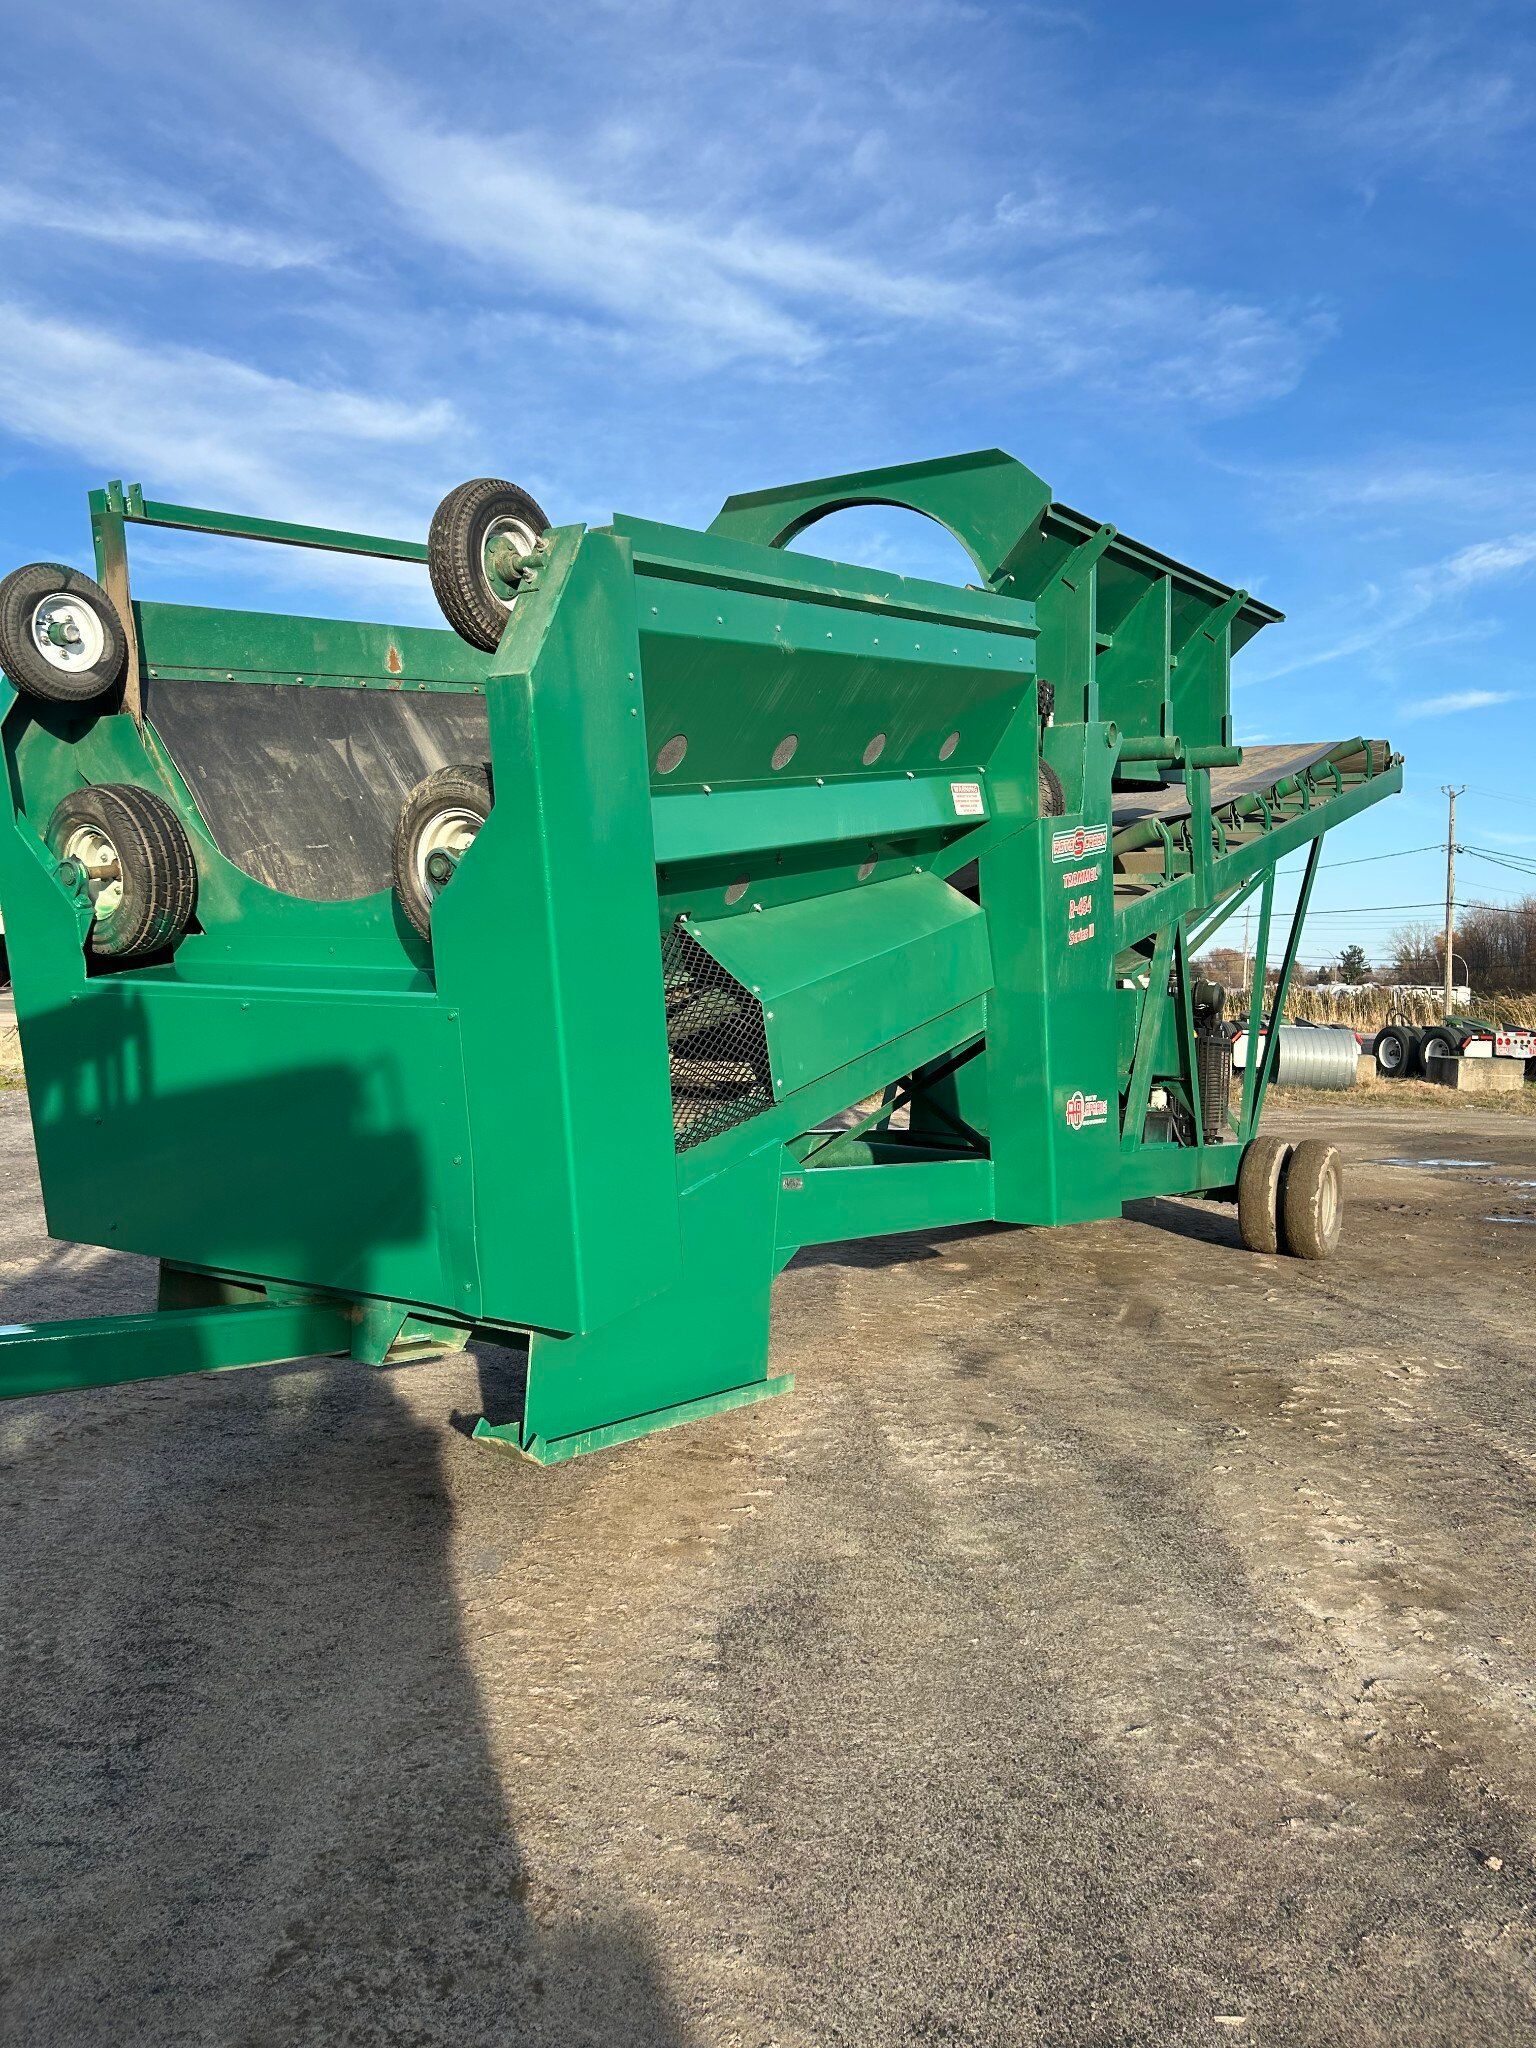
(1255, 284)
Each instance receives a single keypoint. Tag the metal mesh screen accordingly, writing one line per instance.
(716, 1044)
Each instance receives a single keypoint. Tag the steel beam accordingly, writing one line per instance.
(107, 1351)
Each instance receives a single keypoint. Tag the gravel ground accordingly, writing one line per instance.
(1116, 1638)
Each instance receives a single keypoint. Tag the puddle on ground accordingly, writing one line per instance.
(1531, 1220)
(1435, 1165)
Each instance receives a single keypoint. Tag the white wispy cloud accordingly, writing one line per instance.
(1511, 838)
(1386, 615)
(156, 229)
(717, 286)
(1408, 482)
(206, 424)
(1485, 561)
(1456, 700)
(496, 201)
(1429, 98)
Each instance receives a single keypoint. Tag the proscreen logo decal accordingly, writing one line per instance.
(1084, 1111)
(1080, 840)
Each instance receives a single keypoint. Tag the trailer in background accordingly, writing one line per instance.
(1404, 1051)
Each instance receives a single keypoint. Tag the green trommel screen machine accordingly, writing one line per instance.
(559, 973)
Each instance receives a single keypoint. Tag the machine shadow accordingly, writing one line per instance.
(1210, 1221)
(895, 1251)
(257, 1798)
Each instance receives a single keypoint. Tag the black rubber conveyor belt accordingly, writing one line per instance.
(301, 786)
(1260, 769)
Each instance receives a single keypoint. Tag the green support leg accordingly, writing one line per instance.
(699, 1346)
(106, 1351)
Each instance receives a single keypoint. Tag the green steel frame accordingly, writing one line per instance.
(338, 1142)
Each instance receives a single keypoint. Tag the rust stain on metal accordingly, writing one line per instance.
(393, 661)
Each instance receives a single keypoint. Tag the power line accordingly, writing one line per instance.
(1498, 797)
(1392, 909)
(1399, 853)
(1522, 863)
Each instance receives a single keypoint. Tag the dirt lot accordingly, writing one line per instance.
(1115, 1639)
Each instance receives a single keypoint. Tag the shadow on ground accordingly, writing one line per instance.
(250, 1797)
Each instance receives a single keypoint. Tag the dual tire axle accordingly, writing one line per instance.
(1290, 1198)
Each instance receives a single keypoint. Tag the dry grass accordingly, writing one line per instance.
(1428, 1096)
(1368, 1010)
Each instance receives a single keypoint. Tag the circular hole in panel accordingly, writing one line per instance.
(738, 889)
(784, 752)
(866, 869)
(888, 537)
(949, 746)
(671, 754)
(874, 750)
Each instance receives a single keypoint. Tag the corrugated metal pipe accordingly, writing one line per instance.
(1324, 1058)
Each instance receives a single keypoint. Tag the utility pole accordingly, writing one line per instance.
(1446, 790)
(1246, 991)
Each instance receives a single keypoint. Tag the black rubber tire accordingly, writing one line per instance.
(1312, 1201)
(459, 788)
(1437, 1041)
(1259, 1180)
(1401, 1043)
(154, 854)
(456, 560)
(1053, 798)
(28, 668)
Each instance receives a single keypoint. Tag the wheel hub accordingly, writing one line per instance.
(507, 545)
(444, 840)
(96, 858)
(67, 633)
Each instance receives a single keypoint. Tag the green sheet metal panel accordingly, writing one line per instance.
(311, 1131)
(986, 499)
(760, 568)
(1132, 670)
(198, 640)
(732, 824)
(748, 681)
(1051, 1093)
(317, 1136)
(844, 974)
(547, 948)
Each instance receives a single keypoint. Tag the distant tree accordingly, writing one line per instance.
(1417, 951)
(1223, 964)
(1353, 965)
(1495, 949)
